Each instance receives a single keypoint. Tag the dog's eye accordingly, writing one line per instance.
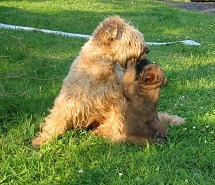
(146, 79)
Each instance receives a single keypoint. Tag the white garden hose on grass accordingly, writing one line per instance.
(6, 26)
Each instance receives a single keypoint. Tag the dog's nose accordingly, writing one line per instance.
(147, 50)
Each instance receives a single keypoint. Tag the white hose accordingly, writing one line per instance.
(6, 26)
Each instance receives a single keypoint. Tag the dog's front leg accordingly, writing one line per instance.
(129, 83)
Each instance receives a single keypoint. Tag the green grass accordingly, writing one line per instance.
(33, 65)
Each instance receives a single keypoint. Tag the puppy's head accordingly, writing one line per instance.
(120, 40)
(140, 65)
(152, 76)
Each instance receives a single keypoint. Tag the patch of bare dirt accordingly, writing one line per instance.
(203, 7)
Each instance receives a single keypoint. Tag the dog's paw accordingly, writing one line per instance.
(131, 63)
(159, 137)
(158, 131)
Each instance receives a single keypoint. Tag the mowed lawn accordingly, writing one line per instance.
(33, 65)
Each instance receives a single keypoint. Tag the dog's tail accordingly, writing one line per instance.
(171, 119)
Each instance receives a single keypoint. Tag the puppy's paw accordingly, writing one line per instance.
(158, 132)
(159, 137)
(131, 63)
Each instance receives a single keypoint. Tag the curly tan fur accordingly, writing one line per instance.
(91, 94)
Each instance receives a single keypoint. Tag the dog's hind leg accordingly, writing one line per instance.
(111, 127)
(59, 120)
(158, 131)
(55, 124)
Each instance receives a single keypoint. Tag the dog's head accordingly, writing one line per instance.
(140, 65)
(120, 40)
(152, 76)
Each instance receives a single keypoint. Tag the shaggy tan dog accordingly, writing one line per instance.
(91, 95)
(141, 88)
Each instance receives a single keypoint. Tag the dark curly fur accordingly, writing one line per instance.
(141, 88)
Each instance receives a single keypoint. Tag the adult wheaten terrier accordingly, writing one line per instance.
(141, 88)
(91, 95)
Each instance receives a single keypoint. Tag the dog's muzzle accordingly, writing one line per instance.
(143, 54)
(146, 50)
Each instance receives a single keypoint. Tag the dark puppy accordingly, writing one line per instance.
(141, 86)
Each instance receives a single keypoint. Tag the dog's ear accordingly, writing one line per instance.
(109, 30)
(154, 77)
(109, 34)
(149, 77)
